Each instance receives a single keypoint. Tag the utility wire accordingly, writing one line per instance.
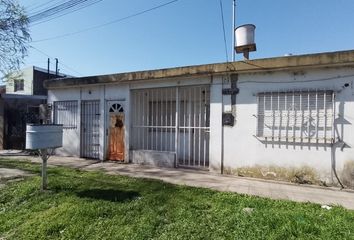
(61, 62)
(65, 13)
(59, 6)
(38, 5)
(108, 23)
(223, 28)
(58, 10)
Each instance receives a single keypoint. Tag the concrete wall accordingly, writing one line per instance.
(235, 149)
(246, 155)
(154, 158)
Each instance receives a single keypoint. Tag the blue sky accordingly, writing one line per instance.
(187, 32)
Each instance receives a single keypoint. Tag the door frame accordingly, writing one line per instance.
(108, 103)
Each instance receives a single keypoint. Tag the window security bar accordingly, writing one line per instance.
(297, 116)
(66, 113)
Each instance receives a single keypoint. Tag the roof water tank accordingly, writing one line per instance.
(245, 38)
(44, 136)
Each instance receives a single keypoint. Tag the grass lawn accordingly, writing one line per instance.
(93, 205)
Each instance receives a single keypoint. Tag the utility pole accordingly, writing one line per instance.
(233, 30)
(56, 67)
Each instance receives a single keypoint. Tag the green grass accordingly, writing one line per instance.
(93, 205)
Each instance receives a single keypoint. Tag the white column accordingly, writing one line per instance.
(215, 124)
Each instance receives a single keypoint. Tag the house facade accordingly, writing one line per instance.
(29, 81)
(286, 118)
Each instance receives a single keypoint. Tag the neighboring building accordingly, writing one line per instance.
(19, 104)
(29, 81)
(286, 118)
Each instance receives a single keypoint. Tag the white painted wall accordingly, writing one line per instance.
(71, 137)
(240, 146)
(216, 109)
(242, 149)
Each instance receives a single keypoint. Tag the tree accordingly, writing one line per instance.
(14, 36)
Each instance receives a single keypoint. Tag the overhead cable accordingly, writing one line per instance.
(55, 11)
(107, 23)
(223, 28)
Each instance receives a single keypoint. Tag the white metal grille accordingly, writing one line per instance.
(296, 116)
(90, 129)
(154, 119)
(194, 126)
(154, 125)
(65, 112)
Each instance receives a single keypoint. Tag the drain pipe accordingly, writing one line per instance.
(333, 153)
(334, 145)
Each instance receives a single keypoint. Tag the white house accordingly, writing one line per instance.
(287, 118)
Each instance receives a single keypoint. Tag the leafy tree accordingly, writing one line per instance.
(14, 36)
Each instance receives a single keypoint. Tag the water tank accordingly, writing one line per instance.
(44, 136)
(245, 38)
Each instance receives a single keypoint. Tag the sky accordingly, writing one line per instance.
(186, 32)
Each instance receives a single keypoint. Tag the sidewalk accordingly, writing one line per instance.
(269, 189)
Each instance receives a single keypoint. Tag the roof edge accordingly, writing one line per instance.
(318, 60)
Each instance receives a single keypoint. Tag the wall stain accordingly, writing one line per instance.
(300, 175)
(348, 174)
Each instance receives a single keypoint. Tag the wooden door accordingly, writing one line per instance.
(116, 132)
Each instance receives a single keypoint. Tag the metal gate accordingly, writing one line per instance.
(173, 120)
(193, 125)
(90, 126)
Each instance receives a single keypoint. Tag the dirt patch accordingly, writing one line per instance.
(11, 175)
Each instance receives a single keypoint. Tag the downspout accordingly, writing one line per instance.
(333, 144)
(333, 163)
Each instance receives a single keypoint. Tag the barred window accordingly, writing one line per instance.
(65, 112)
(296, 116)
(19, 85)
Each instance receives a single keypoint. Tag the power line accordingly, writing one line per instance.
(223, 28)
(59, 9)
(61, 62)
(53, 9)
(65, 13)
(107, 23)
(39, 5)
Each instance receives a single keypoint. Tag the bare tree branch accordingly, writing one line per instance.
(14, 36)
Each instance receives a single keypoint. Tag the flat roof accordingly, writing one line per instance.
(296, 62)
(22, 96)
